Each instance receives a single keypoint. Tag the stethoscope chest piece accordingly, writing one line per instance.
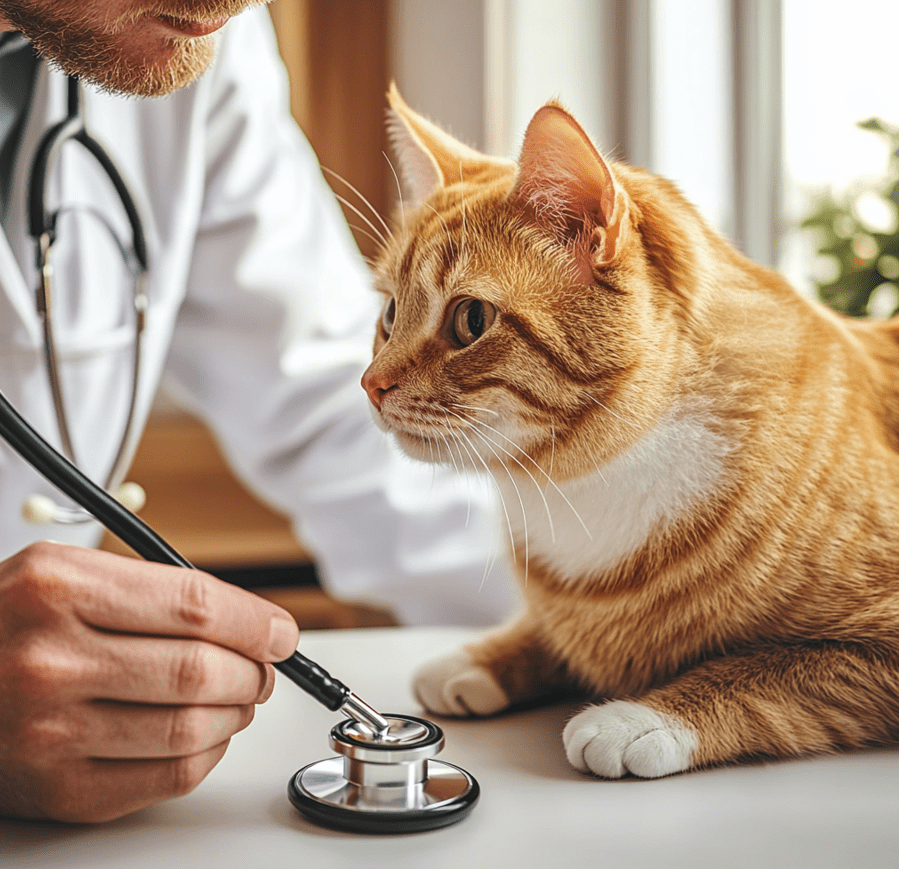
(387, 783)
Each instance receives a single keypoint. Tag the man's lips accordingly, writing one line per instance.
(187, 27)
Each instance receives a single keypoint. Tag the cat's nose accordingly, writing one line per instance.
(377, 385)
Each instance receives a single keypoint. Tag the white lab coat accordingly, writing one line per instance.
(261, 318)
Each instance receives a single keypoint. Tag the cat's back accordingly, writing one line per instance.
(871, 352)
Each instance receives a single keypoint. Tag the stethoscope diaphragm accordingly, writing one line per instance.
(387, 783)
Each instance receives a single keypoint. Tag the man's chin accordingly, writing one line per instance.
(154, 76)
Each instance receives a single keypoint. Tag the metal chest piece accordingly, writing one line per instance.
(386, 783)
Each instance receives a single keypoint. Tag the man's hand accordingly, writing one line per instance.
(121, 681)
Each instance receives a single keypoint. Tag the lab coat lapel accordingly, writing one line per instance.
(16, 302)
(17, 271)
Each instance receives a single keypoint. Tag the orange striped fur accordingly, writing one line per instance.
(699, 467)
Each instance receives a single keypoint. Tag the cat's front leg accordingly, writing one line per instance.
(781, 701)
(483, 679)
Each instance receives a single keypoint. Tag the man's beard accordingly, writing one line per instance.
(96, 53)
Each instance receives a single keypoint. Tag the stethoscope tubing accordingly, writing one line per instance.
(40, 219)
(42, 225)
(63, 474)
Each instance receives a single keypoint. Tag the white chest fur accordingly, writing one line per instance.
(590, 524)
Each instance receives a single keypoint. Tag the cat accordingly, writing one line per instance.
(698, 467)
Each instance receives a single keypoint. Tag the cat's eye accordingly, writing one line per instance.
(388, 315)
(471, 319)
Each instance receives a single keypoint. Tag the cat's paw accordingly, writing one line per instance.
(621, 737)
(456, 686)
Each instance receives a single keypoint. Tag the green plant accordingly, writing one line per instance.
(863, 258)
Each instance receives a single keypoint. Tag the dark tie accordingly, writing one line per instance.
(18, 64)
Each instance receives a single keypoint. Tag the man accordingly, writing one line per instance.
(121, 682)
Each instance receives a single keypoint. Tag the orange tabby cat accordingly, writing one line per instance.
(699, 468)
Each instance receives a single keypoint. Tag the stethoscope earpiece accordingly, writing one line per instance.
(39, 510)
(132, 496)
(43, 510)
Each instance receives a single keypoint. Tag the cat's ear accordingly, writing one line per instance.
(568, 187)
(428, 157)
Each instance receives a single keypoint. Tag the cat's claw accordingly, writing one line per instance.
(456, 686)
(620, 737)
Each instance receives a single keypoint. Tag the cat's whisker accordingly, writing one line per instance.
(356, 228)
(447, 451)
(433, 462)
(472, 407)
(524, 515)
(467, 477)
(602, 476)
(488, 441)
(488, 566)
(460, 447)
(430, 441)
(462, 472)
(371, 207)
(549, 479)
(449, 236)
(502, 499)
(552, 452)
(399, 188)
(608, 409)
(462, 193)
(362, 217)
(455, 437)
(452, 455)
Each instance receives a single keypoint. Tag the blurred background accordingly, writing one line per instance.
(779, 119)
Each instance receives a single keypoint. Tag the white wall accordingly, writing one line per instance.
(550, 51)
(437, 59)
(481, 68)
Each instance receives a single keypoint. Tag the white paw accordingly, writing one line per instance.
(621, 737)
(456, 686)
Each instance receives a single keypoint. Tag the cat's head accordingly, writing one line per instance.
(533, 312)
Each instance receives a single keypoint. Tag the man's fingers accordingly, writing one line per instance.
(136, 669)
(127, 595)
(122, 681)
(92, 791)
(123, 731)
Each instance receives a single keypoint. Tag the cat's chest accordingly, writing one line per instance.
(585, 526)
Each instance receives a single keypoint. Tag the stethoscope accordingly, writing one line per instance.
(385, 778)
(42, 227)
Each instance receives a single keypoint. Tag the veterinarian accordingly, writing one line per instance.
(121, 681)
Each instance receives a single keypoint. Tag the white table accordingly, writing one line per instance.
(534, 810)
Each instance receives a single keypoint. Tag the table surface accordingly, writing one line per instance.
(840, 811)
